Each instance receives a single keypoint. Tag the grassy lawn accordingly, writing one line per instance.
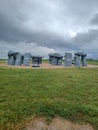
(92, 62)
(2, 61)
(69, 93)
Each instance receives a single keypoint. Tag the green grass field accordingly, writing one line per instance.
(27, 93)
(2, 61)
(93, 62)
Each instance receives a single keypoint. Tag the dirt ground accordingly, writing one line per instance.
(55, 124)
(46, 65)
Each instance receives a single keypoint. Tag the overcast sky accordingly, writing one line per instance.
(48, 26)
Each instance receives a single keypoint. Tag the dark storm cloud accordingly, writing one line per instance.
(54, 25)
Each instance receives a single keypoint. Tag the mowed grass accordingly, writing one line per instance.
(2, 61)
(26, 93)
(92, 62)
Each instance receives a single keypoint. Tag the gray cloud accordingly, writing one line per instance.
(94, 20)
(54, 25)
(87, 38)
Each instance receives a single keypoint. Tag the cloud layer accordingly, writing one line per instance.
(48, 26)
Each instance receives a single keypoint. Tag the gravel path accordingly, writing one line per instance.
(46, 65)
